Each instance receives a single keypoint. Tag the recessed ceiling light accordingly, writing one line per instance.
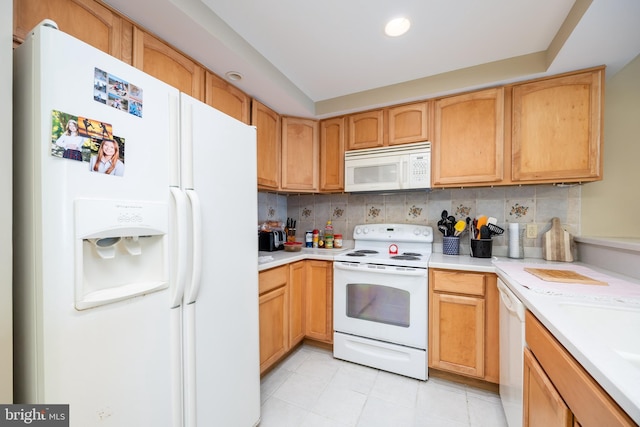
(233, 75)
(397, 27)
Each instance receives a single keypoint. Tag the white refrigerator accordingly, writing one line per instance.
(135, 249)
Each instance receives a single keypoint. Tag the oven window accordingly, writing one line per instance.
(376, 303)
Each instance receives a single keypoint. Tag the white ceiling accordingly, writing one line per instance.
(318, 59)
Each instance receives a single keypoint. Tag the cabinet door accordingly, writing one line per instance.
(468, 146)
(319, 296)
(167, 64)
(273, 326)
(408, 123)
(557, 129)
(332, 142)
(366, 130)
(297, 278)
(274, 315)
(456, 327)
(86, 20)
(543, 406)
(227, 98)
(300, 152)
(267, 123)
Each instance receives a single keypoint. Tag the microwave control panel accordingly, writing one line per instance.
(420, 170)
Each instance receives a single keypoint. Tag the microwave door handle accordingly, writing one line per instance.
(403, 173)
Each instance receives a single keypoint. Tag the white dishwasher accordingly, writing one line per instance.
(511, 358)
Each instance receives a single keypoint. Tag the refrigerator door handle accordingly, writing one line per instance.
(191, 293)
(177, 291)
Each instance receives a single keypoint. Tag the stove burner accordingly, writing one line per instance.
(411, 254)
(406, 257)
(356, 254)
(366, 251)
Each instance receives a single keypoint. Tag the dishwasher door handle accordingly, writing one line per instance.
(510, 301)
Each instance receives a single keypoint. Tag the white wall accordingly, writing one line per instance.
(6, 346)
(609, 206)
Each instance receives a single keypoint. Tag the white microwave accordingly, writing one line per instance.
(399, 167)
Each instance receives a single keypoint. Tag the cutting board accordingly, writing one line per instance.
(563, 276)
(556, 243)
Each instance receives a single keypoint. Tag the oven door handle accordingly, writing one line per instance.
(380, 269)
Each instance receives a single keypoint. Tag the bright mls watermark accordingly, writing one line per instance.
(34, 415)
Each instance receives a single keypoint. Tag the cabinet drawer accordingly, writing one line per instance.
(273, 278)
(458, 282)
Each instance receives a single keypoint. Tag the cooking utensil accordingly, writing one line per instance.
(492, 220)
(484, 232)
(443, 228)
(494, 229)
(460, 227)
(482, 220)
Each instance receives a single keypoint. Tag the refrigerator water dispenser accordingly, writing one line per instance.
(120, 250)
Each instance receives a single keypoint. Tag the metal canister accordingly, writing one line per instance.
(308, 239)
(337, 241)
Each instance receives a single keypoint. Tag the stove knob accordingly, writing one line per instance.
(426, 232)
(358, 231)
(365, 230)
(416, 231)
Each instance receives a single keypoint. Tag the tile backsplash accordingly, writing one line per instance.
(536, 204)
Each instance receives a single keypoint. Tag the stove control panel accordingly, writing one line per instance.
(393, 232)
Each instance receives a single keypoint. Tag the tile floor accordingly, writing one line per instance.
(310, 388)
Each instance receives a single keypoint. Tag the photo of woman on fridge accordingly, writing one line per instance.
(108, 159)
(71, 141)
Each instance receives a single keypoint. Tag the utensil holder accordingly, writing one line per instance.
(451, 245)
(481, 248)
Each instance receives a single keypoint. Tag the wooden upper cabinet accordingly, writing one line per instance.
(167, 64)
(227, 98)
(468, 145)
(332, 144)
(366, 130)
(267, 123)
(300, 152)
(409, 123)
(86, 20)
(557, 128)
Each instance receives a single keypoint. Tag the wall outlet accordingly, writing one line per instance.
(532, 231)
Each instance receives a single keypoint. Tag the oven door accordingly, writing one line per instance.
(385, 303)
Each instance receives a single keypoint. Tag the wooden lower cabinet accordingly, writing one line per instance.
(319, 301)
(558, 391)
(463, 323)
(274, 315)
(297, 280)
(296, 302)
(543, 405)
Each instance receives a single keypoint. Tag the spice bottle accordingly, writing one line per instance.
(328, 235)
(337, 241)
